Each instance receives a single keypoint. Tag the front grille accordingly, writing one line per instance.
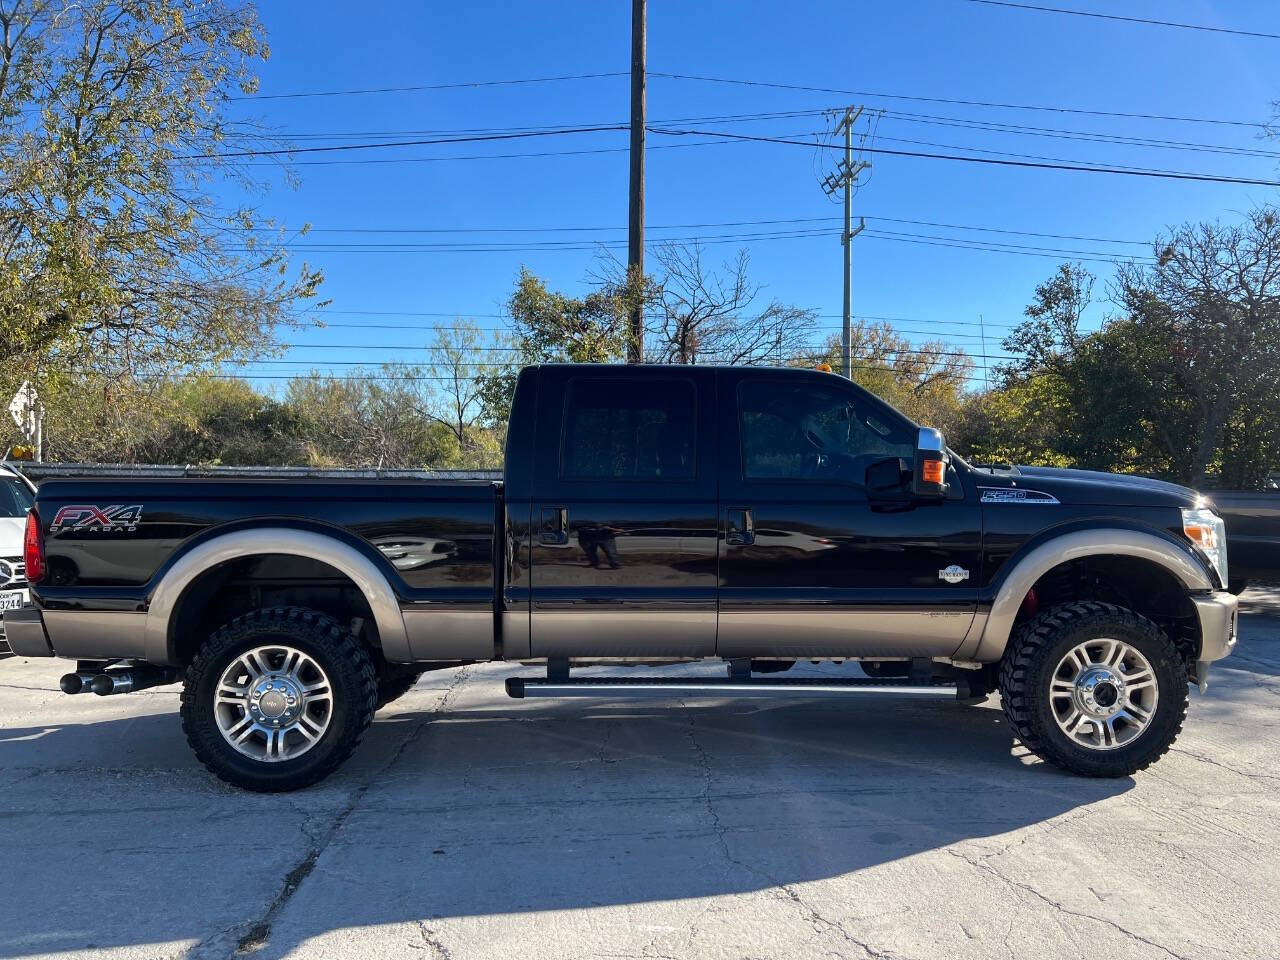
(19, 568)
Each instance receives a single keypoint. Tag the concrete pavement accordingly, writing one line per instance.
(471, 826)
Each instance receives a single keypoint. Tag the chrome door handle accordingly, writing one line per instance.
(739, 527)
(554, 527)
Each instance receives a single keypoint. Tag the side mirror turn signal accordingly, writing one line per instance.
(932, 460)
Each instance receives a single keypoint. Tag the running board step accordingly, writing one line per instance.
(682, 687)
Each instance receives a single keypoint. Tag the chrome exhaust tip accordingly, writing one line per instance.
(77, 682)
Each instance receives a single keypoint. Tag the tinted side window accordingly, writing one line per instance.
(15, 498)
(803, 431)
(629, 430)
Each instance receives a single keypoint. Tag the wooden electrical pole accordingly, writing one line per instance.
(635, 212)
(844, 178)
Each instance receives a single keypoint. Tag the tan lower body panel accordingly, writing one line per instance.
(97, 634)
(823, 632)
(440, 632)
(587, 631)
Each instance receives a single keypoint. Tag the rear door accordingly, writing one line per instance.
(623, 558)
(812, 563)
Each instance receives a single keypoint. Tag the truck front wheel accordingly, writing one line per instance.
(278, 698)
(1094, 688)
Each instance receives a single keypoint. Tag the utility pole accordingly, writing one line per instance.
(635, 212)
(846, 173)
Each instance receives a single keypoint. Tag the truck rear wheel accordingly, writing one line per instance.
(1094, 688)
(278, 698)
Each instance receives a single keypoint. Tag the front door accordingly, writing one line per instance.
(624, 515)
(812, 562)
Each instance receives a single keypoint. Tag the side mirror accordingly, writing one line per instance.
(929, 481)
(889, 478)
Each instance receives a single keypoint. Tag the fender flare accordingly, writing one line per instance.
(382, 600)
(988, 636)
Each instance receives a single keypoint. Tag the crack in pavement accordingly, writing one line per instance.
(1204, 758)
(986, 866)
(259, 932)
(432, 941)
(817, 922)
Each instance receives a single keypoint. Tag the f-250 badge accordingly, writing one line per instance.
(953, 574)
(88, 518)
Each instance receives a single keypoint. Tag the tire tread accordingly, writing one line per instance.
(1029, 644)
(307, 625)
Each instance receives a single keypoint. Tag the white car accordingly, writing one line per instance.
(16, 494)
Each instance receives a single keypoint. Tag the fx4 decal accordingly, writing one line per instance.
(93, 519)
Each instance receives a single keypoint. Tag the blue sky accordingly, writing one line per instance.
(950, 49)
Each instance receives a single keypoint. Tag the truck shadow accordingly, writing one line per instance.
(495, 808)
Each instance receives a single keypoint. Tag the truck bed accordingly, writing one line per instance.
(431, 537)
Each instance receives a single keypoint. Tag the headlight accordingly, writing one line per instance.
(1205, 529)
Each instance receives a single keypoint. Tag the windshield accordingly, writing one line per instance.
(15, 497)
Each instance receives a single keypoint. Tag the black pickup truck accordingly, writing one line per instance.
(655, 515)
(1253, 533)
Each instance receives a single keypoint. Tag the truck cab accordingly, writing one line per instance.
(699, 512)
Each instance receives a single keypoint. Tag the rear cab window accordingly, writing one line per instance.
(619, 429)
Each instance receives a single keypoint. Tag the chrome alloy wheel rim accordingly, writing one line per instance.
(273, 703)
(1103, 694)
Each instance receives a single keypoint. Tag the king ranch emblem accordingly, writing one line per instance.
(953, 574)
(89, 518)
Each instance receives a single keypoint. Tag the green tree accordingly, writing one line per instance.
(195, 420)
(926, 381)
(1180, 380)
(1211, 306)
(464, 360)
(366, 419)
(115, 256)
(550, 327)
(1014, 423)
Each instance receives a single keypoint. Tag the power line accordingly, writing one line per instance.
(952, 242)
(466, 314)
(887, 358)
(807, 88)
(1142, 20)
(1037, 165)
(476, 138)
(492, 348)
(966, 123)
(459, 85)
(420, 328)
(719, 139)
(1086, 136)
(714, 118)
(954, 101)
(1006, 153)
(700, 226)
(529, 155)
(566, 246)
(885, 367)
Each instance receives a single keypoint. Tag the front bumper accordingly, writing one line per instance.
(1219, 615)
(25, 633)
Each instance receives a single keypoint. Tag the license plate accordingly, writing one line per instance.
(12, 601)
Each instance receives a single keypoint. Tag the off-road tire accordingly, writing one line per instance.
(343, 658)
(394, 687)
(1035, 651)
